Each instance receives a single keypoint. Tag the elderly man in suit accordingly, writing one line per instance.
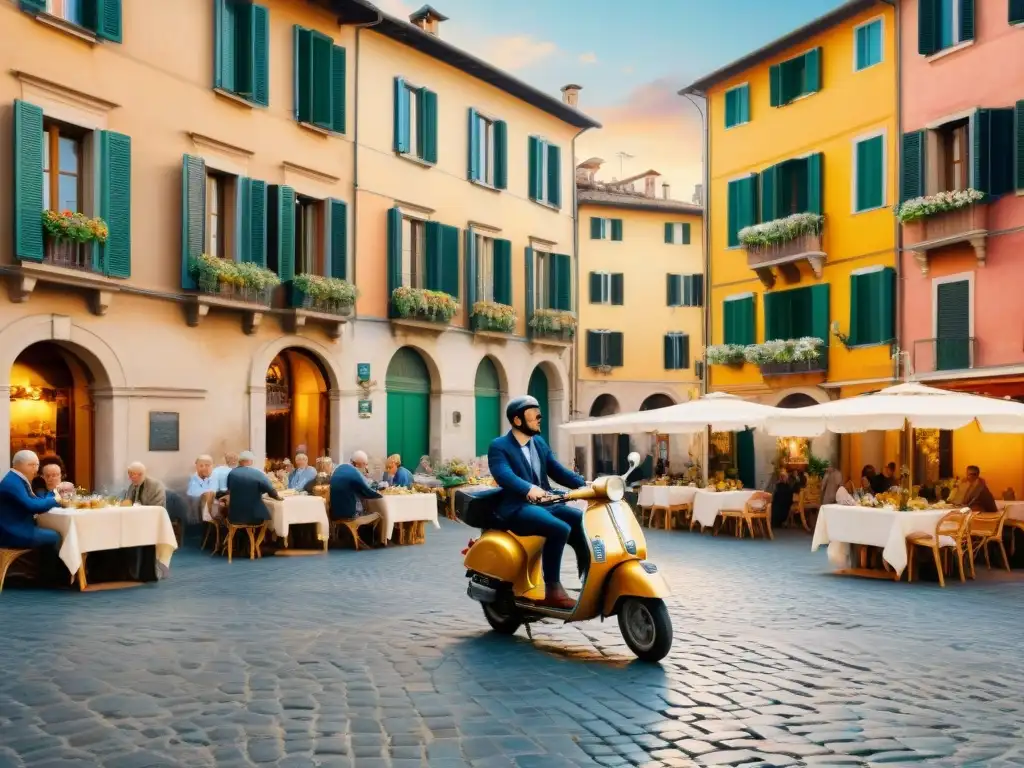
(521, 463)
(246, 486)
(349, 486)
(143, 490)
(19, 506)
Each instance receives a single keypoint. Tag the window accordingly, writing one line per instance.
(953, 324)
(488, 150)
(797, 313)
(677, 233)
(799, 76)
(216, 218)
(319, 80)
(792, 186)
(414, 267)
(69, 10)
(602, 229)
(242, 51)
(604, 348)
(415, 121)
(953, 155)
(307, 236)
(867, 48)
(737, 106)
(677, 351)
(606, 288)
(872, 306)
(551, 276)
(685, 290)
(484, 268)
(545, 172)
(869, 173)
(742, 207)
(1016, 11)
(103, 19)
(942, 24)
(62, 169)
(489, 269)
(738, 320)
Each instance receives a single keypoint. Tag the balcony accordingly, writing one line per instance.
(493, 326)
(69, 264)
(243, 287)
(936, 356)
(820, 365)
(331, 311)
(964, 225)
(552, 328)
(782, 245)
(419, 309)
(789, 357)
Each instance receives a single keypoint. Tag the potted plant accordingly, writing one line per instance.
(66, 232)
(323, 294)
(492, 316)
(553, 324)
(242, 280)
(421, 304)
(922, 214)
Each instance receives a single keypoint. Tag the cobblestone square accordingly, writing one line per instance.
(378, 658)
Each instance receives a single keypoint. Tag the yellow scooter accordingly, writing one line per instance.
(504, 572)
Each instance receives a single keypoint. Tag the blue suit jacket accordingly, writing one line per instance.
(514, 475)
(246, 486)
(347, 483)
(402, 478)
(18, 506)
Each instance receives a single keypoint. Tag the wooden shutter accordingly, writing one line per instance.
(739, 326)
(769, 193)
(33, 6)
(302, 42)
(928, 21)
(536, 150)
(554, 175)
(869, 179)
(595, 287)
(884, 307)
(473, 171)
(427, 116)
(686, 233)
(28, 182)
(500, 154)
(616, 350)
(531, 285)
(776, 316)
(594, 349)
(260, 55)
(998, 150)
(193, 215)
(953, 326)
(402, 134)
(684, 351)
(730, 114)
(775, 79)
(912, 174)
(669, 229)
(812, 71)
(673, 290)
(815, 184)
(742, 206)
(820, 314)
(966, 20)
(225, 54)
(1016, 11)
(337, 212)
(472, 266)
(281, 230)
(257, 222)
(115, 203)
(980, 125)
(338, 86)
(561, 281)
(243, 19)
(670, 352)
(617, 229)
(596, 228)
(618, 289)
(1018, 133)
(394, 224)
(434, 255)
(503, 272)
(103, 17)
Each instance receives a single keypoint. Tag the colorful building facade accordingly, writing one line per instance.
(641, 310)
(963, 129)
(304, 143)
(802, 147)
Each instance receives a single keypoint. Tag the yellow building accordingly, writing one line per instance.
(803, 181)
(230, 146)
(641, 317)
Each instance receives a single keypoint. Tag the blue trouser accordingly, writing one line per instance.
(559, 524)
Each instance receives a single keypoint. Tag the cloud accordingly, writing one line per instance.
(588, 58)
(513, 52)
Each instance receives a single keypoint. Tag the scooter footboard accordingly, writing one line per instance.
(634, 578)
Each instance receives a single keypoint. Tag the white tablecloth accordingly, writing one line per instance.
(666, 495)
(404, 508)
(840, 526)
(707, 504)
(1014, 509)
(93, 530)
(296, 510)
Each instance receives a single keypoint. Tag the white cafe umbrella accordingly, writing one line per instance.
(896, 407)
(721, 412)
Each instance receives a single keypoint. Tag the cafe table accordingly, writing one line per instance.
(403, 508)
(708, 504)
(298, 509)
(94, 530)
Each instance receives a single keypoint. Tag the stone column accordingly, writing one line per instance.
(258, 424)
(334, 432)
(111, 435)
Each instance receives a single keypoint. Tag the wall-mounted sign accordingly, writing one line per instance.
(365, 409)
(363, 371)
(163, 431)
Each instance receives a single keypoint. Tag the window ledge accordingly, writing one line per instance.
(868, 345)
(949, 51)
(414, 159)
(869, 66)
(100, 287)
(737, 125)
(485, 185)
(546, 204)
(411, 325)
(68, 28)
(325, 132)
(235, 98)
(870, 210)
(198, 306)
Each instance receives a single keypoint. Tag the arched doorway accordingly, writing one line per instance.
(298, 406)
(606, 448)
(796, 400)
(538, 389)
(487, 397)
(658, 461)
(408, 396)
(52, 410)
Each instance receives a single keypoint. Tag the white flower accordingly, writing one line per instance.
(780, 231)
(930, 205)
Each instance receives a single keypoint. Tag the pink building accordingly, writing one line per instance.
(962, 95)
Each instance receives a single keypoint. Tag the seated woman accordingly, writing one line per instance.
(395, 474)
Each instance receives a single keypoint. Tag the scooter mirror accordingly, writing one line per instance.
(634, 460)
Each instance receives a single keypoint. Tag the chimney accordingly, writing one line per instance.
(428, 19)
(665, 190)
(571, 94)
(698, 194)
(649, 186)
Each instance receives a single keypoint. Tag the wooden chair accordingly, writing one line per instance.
(354, 525)
(215, 527)
(7, 558)
(257, 532)
(1014, 526)
(951, 535)
(662, 502)
(758, 509)
(735, 517)
(799, 510)
(987, 528)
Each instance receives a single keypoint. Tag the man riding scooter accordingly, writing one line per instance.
(521, 462)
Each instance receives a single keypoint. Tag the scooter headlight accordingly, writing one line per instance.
(615, 489)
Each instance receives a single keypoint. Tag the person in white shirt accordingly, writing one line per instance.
(221, 473)
(203, 487)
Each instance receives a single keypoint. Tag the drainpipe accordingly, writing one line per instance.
(705, 244)
(573, 368)
(897, 229)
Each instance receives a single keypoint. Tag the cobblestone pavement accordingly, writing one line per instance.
(378, 658)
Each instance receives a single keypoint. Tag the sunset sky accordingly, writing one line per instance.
(630, 58)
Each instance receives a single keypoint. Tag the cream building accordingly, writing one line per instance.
(316, 138)
(641, 316)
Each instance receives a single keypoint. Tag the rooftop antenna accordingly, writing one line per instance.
(623, 156)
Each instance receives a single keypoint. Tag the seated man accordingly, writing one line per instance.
(202, 488)
(19, 506)
(976, 493)
(349, 486)
(302, 475)
(220, 473)
(39, 483)
(246, 486)
(395, 474)
(521, 462)
(142, 490)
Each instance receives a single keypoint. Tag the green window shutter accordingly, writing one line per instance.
(503, 272)
(225, 54)
(281, 229)
(859, 310)
(596, 229)
(1018, 153)
(745, 104)
(531, 284)
(928, 27)
(394, 250)
(338, 86)
(536, 149)
(739, 327)
(742, 206)
(322, 49)
(776, 308)
(668, 233)
(733, 227)
(1017, 11)
(682, 351)
(862, 48)
(260, 55)
(673, 290)
(686, 233)
(103, 17)
(885, 305)
(616, 229)
(402, 133)
(561, 282)
(33, 6)
(966, 20)
(812, 71)
(450, 260)
(670, 352)
(872, 307)
(869, 180)
(115, 202)
(473, 168)
(258, 222)
(595, 287)
(820, 314)
(912, 178)
(554, 175)
(769, 193)
(428, 125)
(243, 21)
(730, 111)
(193, 216)
(471, 269)
(337, 212)
(500, 154)
(28, 181)
(593, 349)
(953, 326)
(243, 207)
(1001, 150)
(775, 79)
(616, 350)
(980, 127)
(434, 255)
(303, 75)
(815, 184)
(618, 289)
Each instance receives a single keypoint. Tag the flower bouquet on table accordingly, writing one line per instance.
(397, 490)
(452, 473)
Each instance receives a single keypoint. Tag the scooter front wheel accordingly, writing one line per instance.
(502, 615)
(646, 627)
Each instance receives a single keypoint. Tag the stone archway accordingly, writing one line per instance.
(409, 406)
(548, 384)
(487, 397)
(108, 387)
(605, 449)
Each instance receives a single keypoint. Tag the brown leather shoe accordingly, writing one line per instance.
(556, 597)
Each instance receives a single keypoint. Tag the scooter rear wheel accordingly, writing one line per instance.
(646, 627)
(502, 615)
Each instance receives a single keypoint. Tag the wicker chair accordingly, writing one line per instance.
(7, 558)
(986, 529)
(951, 535)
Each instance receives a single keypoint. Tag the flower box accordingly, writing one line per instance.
(236, 281)
(328, 295)
(553, 325)
(493, 317)
(946, 225)
(781, 233)
(421, 304)
(780, 357)
(726, 354)
(68, 254)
